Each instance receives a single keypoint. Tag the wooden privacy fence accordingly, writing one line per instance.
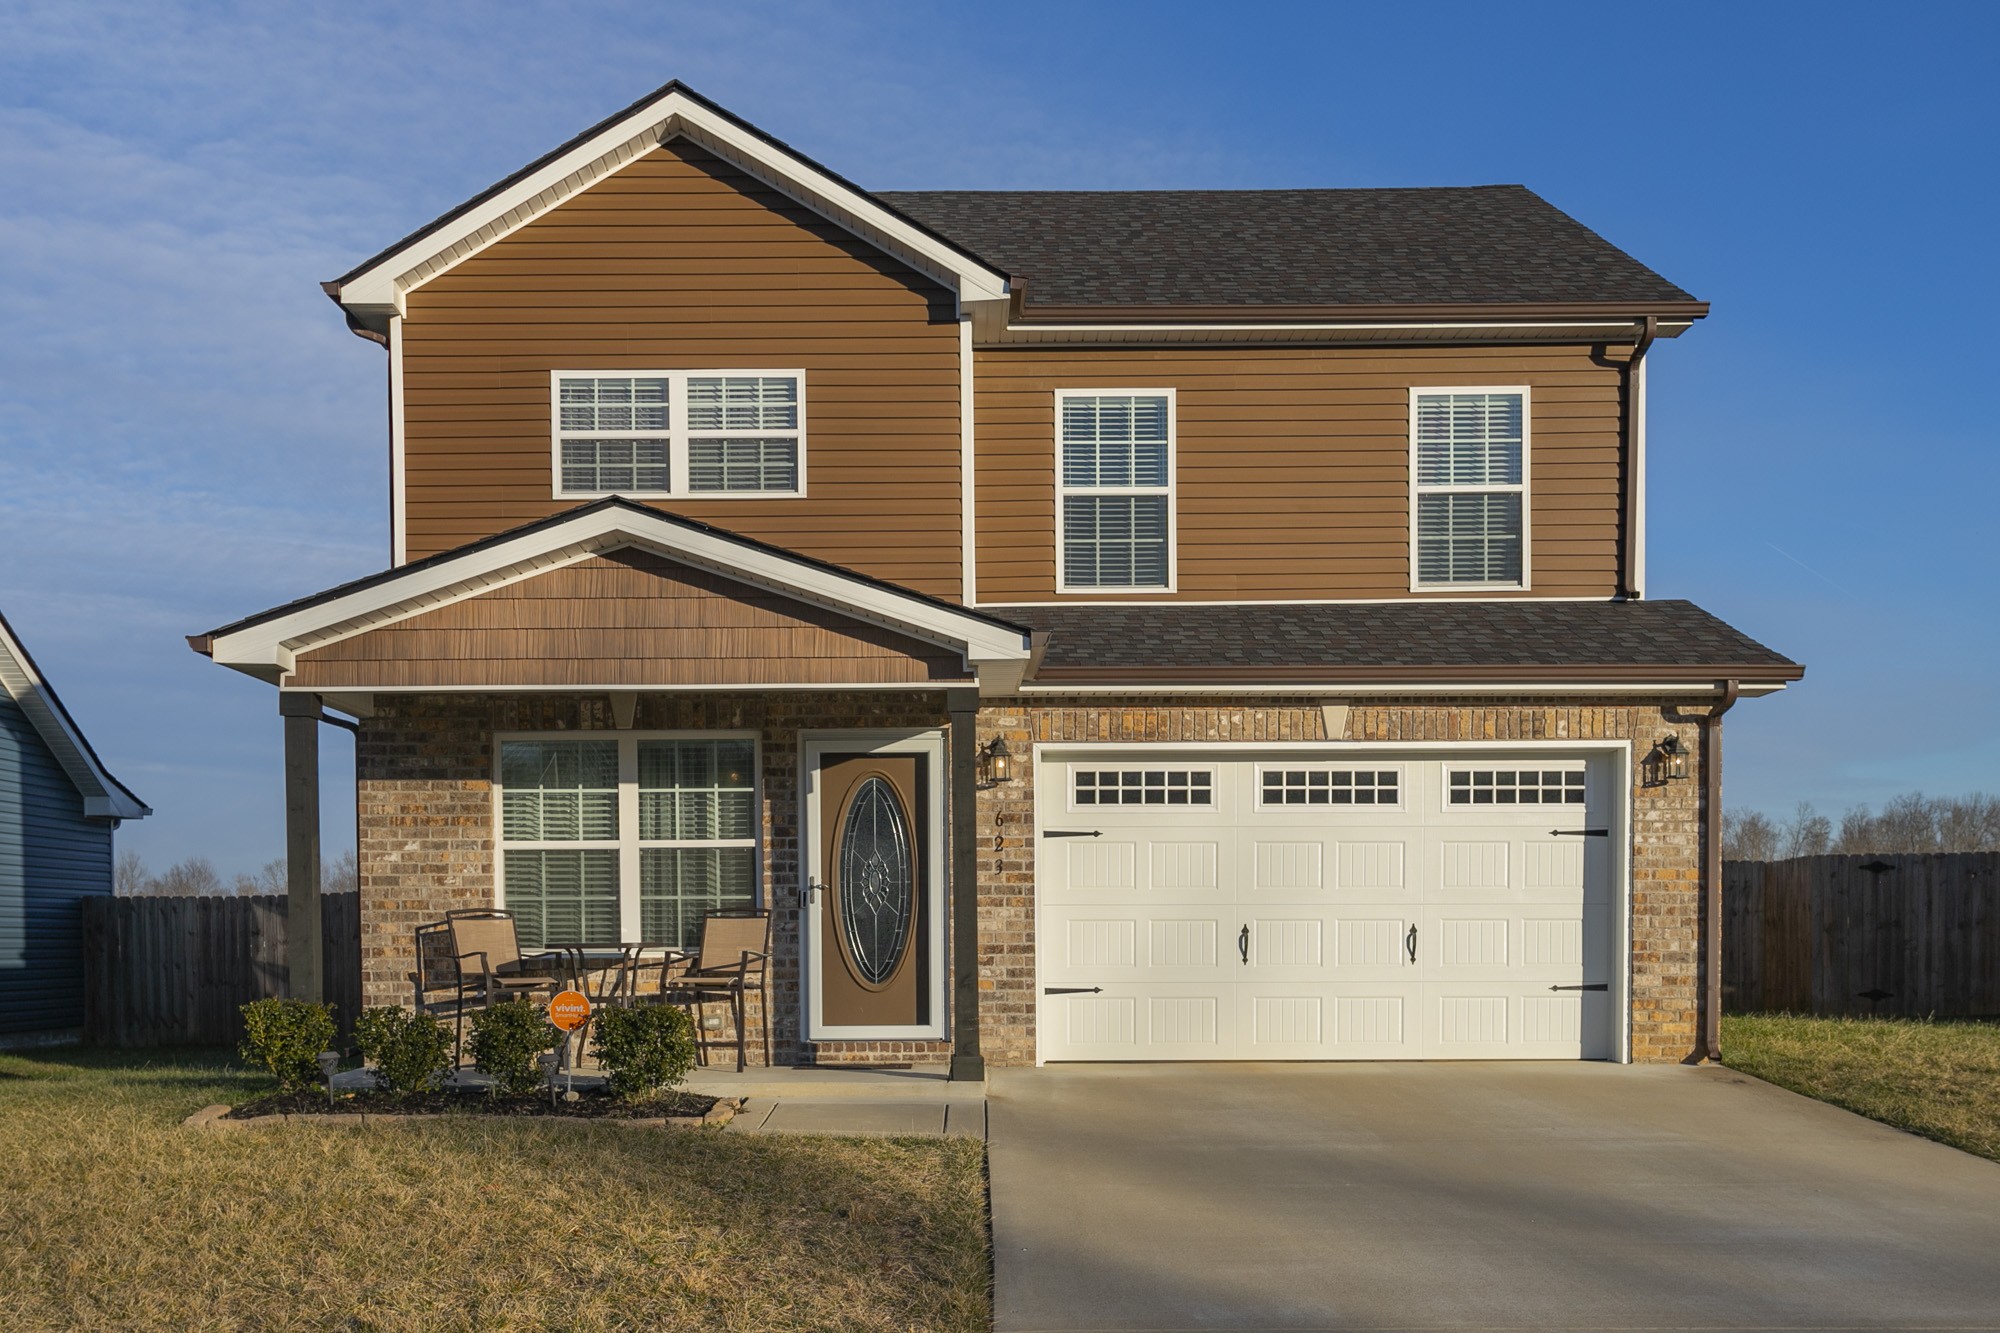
(1896, 935)
(172, 971)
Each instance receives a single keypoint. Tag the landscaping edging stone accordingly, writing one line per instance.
(214, 1117)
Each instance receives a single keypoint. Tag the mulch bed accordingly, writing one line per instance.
(590, 1104)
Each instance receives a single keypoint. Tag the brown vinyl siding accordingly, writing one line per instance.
(626, 618)
(681, 262)
(1293, 472)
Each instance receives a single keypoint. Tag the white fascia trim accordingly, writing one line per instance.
(1372, 689)
(968, 537)
(273, 642)
(103, 798)
(384, 285)
(399, 523)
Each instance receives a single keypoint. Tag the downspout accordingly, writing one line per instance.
(1711, 875)
(1649, 327)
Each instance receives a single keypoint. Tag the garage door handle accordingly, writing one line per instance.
(1072, 833)
(1243, 944)
(1600, 985)
(1410, 943)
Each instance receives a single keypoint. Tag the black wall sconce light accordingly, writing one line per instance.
(996, 762)
(1667, 763)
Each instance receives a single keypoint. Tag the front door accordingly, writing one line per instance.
(869, 895)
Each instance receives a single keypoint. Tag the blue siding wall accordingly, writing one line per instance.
(50, 857)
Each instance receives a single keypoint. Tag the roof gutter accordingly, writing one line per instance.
(1649, 328)
(354, 324)
(1711, 875)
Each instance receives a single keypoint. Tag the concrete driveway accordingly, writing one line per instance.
(1472, 1196)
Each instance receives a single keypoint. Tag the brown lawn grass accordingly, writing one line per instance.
(113, 1216)
(1937, 1079)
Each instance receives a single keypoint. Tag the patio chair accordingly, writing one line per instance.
(434, 984)
(731, 958)
(491, 967)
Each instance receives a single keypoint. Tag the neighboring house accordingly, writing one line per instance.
(58, 807)
(1290, 543)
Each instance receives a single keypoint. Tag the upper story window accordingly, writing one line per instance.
(1469, 488)
(1114, 491)
(714, 434)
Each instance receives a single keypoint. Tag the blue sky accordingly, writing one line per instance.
(187, 432)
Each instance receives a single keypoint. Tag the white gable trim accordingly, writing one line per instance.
(380, 289)
(103, 796)
(269, 647)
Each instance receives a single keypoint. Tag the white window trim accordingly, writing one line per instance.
(1171, 491)
(1527, 473)
(677, 434)
(628, 844)
(1400, 804)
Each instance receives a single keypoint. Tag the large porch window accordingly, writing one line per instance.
(630, 838)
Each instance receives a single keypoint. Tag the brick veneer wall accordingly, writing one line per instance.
(427, 842)
(427, 838)
(1666, 855)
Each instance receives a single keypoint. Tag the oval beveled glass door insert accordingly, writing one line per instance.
(876, 874)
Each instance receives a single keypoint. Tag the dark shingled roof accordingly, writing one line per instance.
(1496, 640)
(1477, 245)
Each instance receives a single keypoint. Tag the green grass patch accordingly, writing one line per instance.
(112, 1215)
(1935, 1078)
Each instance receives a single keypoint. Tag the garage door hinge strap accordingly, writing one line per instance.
(1072, 833)
(1072, 990)
(1600, 985)
(1579, 833)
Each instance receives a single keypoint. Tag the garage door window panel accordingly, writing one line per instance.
(1095, 787)
(1286, 786)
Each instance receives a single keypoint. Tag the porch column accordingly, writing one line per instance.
(966, 1062)
(302, 911)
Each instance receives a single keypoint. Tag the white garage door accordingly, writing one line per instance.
(1441, 904)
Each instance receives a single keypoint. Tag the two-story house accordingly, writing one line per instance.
(1098, 625)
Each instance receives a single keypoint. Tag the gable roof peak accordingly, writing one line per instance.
(374, 290)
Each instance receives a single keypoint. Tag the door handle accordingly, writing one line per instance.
(1243, 944)
(1410, 943)
(812, 890)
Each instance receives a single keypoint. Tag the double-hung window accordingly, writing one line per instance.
(1114, 490)
(708, 434)
(1469, 488)
(625, 839)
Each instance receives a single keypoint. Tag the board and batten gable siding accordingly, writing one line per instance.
(628, 618)
(51, 857)
(1293, 465)
(680, 261)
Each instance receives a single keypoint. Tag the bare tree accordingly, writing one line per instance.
(1809, 834)
(340, 875)
(191, 878)
(1914, 822)
(1749, 836)
(129, 878)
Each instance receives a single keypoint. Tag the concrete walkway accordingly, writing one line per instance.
(1472, 1196)
(786, 1100)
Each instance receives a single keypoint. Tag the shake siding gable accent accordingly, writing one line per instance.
(50, 858)
(680, 261)
(629, 618)
(1292, 478)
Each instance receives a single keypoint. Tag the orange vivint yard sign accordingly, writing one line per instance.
(569, 1010)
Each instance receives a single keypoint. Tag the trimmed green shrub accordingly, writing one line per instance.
(409, 1051)
(286, 1037)
(645, 1050)
(505, 1040)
